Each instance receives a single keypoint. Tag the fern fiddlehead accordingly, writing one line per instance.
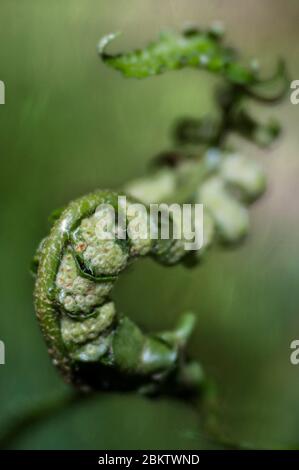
(75, 276)
(93, 345)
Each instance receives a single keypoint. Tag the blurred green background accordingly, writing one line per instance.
(70, 125)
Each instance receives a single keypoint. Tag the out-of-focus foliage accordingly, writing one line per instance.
(70, 126)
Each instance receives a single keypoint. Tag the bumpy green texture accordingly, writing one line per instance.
(206, 50)
(78, 265)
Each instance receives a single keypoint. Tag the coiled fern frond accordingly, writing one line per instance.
(93, 345)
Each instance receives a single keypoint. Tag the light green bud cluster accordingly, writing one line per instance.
(93, 351)
(79, 262)
(233, 182)
(87, 249)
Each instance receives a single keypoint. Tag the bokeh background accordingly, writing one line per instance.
(70, 125)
